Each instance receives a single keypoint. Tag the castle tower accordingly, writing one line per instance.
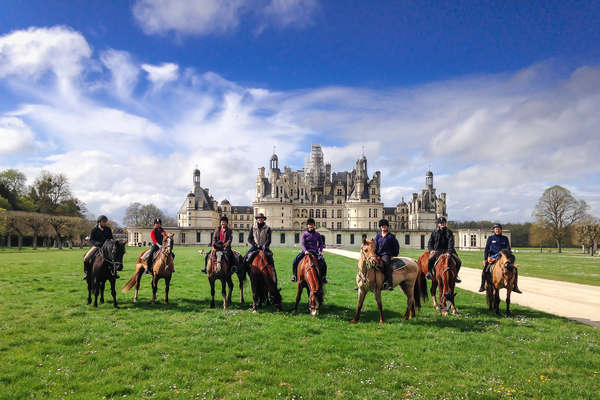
(197, 187)
(429, 180)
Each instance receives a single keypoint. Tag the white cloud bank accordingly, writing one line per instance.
(494, 142)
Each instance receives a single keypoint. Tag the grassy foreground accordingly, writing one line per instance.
(54, 346)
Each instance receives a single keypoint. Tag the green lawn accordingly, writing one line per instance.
(52, 345)
(570, 267)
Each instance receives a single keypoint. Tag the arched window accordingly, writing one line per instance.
(317, 213)
(312, 213)
(324, 213)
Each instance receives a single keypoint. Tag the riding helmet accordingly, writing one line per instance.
(102, 218)
(158, 221)
(441, 220)
(310, 221)
(497, 225)
(224, 218)
(383, 222)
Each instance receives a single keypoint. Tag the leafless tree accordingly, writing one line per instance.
(588, 232)
(37, 224)
(557, 211)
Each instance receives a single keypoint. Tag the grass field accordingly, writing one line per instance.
(52, 345)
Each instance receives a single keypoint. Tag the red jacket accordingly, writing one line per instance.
(157, 235)
(216, 238)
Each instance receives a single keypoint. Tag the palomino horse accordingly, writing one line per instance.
(309, 277)
(264, 283)
(162, 268)
(370, 278)
(219, 268)
(109, 256)
(445, 275)
(503, 275)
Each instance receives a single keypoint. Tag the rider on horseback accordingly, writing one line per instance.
(494, 244)
(260, 239)
(157, 235)
(442, 241)
(312, 242)
(99, 234)
(222, 237)
(386, 247)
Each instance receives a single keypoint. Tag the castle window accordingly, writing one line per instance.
(339, 225)
(406, 239)
(241, 237)
(465, 240)
(369, 213)
(235, 225)
(234, 217)
(332, 225)
(339, 201)
(339, 213)
(473, 240)
(198, 237)
(352, 238)
(282, 238)
(338, 239)
(375, 213)
(339, 192)
(318, 213)
(311, 212)
(324, 213)
(318, 224)
(182, 237)
(296, 238)
(373, 191)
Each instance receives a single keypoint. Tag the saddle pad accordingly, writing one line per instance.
(146, 254)
(397, 263)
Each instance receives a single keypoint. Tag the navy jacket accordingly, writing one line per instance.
(387, 245)
(494, 244)
(99, 236)
(441, 240)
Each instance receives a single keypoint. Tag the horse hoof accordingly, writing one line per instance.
(101, 301)
(117, 306)
(353, 321)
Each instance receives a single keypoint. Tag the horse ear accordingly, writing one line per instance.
(364, 241)
(516, 265)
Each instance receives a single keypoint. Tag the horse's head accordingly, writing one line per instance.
(507, 262)
(167, 247)
(217, 259)
(113, 252)
(367, 251)
(315, 297)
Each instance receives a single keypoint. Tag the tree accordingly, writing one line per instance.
(37, 224)
(588, 232)
(49, 191)
(557, 211)
(142, 215)
(60, 225)
(12, 186)
(132, 215)
(14, 224)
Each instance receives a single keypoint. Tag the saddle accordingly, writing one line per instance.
(396, 263)
(146, 254)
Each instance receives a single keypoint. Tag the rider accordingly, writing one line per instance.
(157, 234)
(386, 247)
(259, 238)
(312, 242)
(494, 244)
(224, 235)
(442, 241)
(99, 234)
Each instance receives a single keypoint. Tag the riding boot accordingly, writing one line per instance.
(85, 271)
(149, 264)
(458, 265)
(483, 279)
(294, 272)
(203, 270)
(428, 275)
(324, 270)
(389, 280)
(515, 286)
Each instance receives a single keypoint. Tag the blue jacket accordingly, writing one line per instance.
(494, 244)
(312, 242)
(387, 245)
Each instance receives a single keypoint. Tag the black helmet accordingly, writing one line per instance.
(310, 221)
(224, 218)
(158, 221)
(102, 218)
(441, 220)
(497, 225)
(383, 222)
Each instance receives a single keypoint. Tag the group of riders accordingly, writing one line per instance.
(387, 247)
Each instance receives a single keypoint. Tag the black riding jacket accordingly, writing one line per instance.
(98, 236)
(441, 240)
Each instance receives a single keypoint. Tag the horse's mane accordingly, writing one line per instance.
(107, 249)
(508, 254)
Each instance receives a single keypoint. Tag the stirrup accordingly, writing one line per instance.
(294, 279)
(428, 276)
(84, 277)
(203, 270)
(517, 290)
(482, 288)
(457, 279)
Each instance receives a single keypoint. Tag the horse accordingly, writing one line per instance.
(218, 268)
(370, 278)
(423, 262)
(309, 277)
(110, 255)
(264, 282)
(162, 268)
(503, 275)
(445, 275)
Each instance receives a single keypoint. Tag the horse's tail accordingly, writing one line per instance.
(417, 292)
(131, 283)
(421, 286)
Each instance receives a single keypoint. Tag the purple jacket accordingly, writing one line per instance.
(387, 245)
(312, 242)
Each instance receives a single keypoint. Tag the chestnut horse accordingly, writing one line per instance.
(162, 268)
(370, 278)
(107, 257)
(445, 276)
(309, 277)
(219, 268)
(503, 275)
(264, 283)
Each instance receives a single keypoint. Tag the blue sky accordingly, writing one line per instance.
(121, 96)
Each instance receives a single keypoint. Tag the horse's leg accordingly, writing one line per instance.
(102, 292)
(211, 280)
(379, 304)
(241, 280)
(508, 291)
(489, 294)
(255, 294)
(433, 296)
(230, 285)
(113, 292)
(96, 291)
(223, 292)
(154, 288)
(167, 285)
(298, 296)
(362, 292)
(410, 300)
(90, 286)
(138, 280)
(497, 300)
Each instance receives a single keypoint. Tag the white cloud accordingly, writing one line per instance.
(124, 72)
(159, 75)
(206, 17)
(15, 136)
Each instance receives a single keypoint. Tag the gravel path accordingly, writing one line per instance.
(570, 300)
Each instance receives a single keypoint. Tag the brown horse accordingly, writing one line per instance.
(445, 275)
(107, 257)
(219, 268)
(503, 275)
(264, 282)
(162, 268)
(309, 277)
(370, 278)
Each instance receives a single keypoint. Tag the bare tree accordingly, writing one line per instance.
(132, 214)
(14, 222)
(588, 232)
(557, 210)
(60, 225)
(37, 224)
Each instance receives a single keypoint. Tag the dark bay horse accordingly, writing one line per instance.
(445, 276)
(264, 283)
(218, 268)
(309, 277)
(162, 268)
(503, 275)
(370, 278)
(110, 256)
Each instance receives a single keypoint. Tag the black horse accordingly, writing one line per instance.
(108, 259)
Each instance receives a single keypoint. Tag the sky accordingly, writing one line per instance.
(500, 99)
